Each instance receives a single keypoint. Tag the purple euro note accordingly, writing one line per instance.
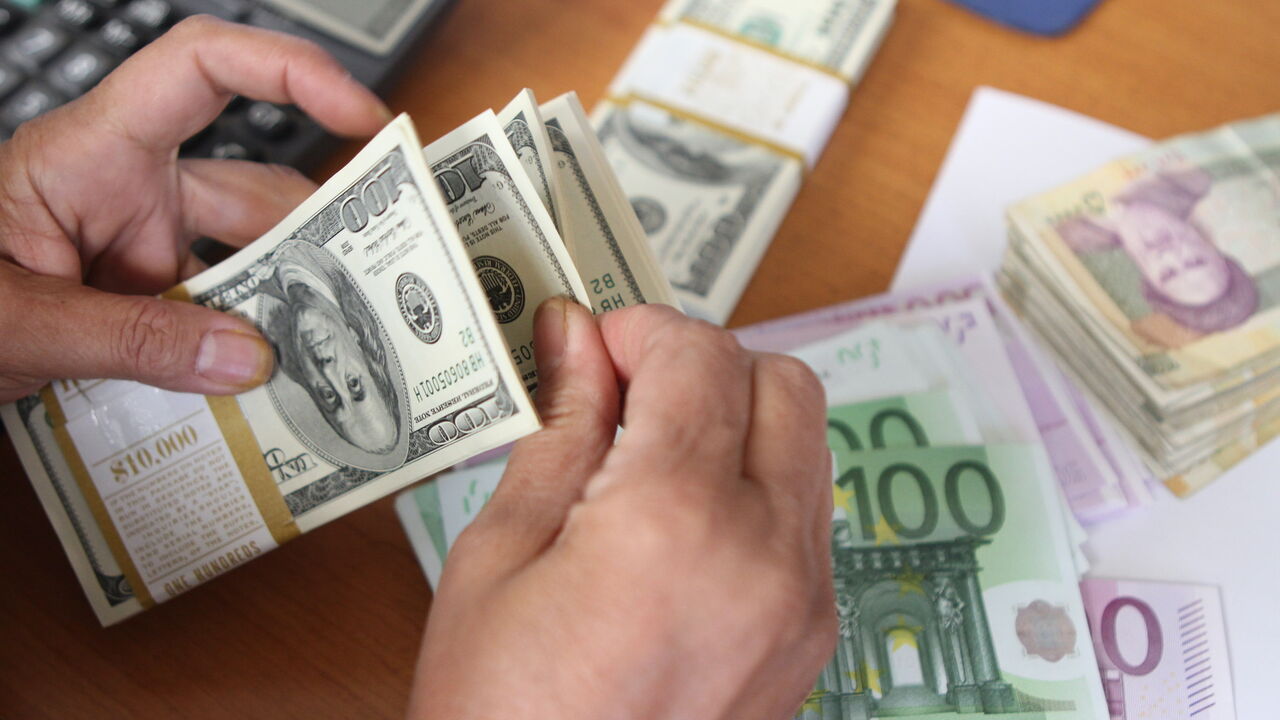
(1161, 648)
(1090, 480)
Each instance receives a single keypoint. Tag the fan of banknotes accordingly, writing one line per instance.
(956, 554)
(399, 301)
(1155, 279)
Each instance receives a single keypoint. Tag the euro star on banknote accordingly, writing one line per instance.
(601, 231)
(1162, 649)
(514, 245)
(702, 162)
(1152, 278)
(390, 366)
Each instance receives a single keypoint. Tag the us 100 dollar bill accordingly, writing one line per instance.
(398, 301)
(390, 366)
(604, 237)
(513, 244)
(715, 117)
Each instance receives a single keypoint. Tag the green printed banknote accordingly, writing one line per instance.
(934, 417)
(955, 589)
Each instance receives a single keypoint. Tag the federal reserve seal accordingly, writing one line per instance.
(502, 285)
(650, 212)
(418, 307)
(1045, 630)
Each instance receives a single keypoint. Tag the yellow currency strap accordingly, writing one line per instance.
(58, 419)
(248, 456)
(630, 98)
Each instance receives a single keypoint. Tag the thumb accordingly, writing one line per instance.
(578, 402)
(67, 330)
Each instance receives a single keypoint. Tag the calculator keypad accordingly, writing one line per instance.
(53, 51)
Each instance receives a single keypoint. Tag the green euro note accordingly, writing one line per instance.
(935, 417)
(436, 512)
(955, 589)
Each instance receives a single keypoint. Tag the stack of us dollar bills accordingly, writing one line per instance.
(956, 555)
(399, 302)
(1155, 279)
(715, 118)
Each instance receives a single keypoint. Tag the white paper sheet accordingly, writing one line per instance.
(1009, 147)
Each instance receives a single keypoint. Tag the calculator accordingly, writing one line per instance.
(52, 51)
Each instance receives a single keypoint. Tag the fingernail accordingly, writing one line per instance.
(234, 358)
(552, 334)
(385, 113)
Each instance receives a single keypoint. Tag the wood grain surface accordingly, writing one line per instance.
(329, 625)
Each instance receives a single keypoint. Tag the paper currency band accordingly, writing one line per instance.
(742, 89)
(243, 449)
(707, 27)
(628, 100)
(248, 456)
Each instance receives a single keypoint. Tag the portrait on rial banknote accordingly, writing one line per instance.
(1162, 265)
(337, 381)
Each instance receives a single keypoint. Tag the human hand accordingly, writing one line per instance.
(683, 573)
(95, 202)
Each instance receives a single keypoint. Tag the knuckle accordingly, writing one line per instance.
(196, 25)
(662, 527)
(795, 379)
(148, 338)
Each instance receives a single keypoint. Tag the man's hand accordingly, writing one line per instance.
(94, 202)
(682, 573)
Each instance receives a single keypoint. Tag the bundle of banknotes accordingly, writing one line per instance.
(956, 557)
(713, 121)
(1152, 280)
(398, 301)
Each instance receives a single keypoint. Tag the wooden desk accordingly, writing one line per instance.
(328, 626)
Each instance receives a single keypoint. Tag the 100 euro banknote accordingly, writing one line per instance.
(955, 589)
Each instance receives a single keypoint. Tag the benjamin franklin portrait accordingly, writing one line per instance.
(337, 381)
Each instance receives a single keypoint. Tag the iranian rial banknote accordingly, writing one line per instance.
(390, 366)
(1169, 253)
(1152, 280)
(508, 233)
(1162, 649)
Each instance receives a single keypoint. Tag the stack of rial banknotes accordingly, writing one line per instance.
(399, 302)
(714, 119)
(1155, 280)
(955, 546)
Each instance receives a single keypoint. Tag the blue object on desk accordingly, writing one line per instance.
(1043, 17)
